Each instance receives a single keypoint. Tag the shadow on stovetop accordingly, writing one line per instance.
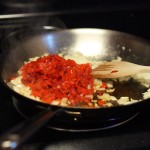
(67, 147)
(91, 141)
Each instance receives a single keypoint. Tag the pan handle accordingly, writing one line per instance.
(15, 137)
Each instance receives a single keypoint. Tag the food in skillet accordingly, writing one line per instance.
(59, 80)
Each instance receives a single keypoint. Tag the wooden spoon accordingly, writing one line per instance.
(116, 69)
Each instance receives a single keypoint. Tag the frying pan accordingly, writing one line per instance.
(100, 44)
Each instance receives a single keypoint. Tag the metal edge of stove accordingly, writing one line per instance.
(64, 10)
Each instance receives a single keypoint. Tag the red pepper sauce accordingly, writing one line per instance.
(53, 78)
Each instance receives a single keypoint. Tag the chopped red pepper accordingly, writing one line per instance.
(114, 71)
(100, 92)
(52, 77)
(101, 102)
(104, 85)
